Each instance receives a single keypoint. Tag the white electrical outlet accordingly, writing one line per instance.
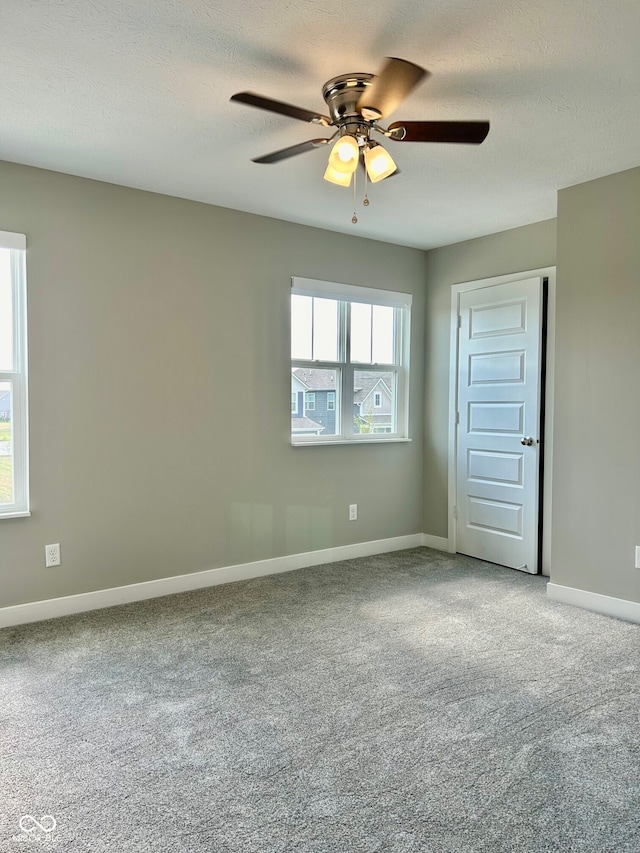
(51, 555)
(353, 512)
(637, 556)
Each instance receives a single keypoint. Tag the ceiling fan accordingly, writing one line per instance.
(357, 102)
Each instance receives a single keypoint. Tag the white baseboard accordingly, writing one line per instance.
(620, 608)
(437, 542)
(20, 614)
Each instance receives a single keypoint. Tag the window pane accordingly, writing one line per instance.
(6, 312)
(361, 332)
(313, 393)
(325, 330)
(301, 313)
(383, 334)
(314, 329)
(6, 445)
(374, 402)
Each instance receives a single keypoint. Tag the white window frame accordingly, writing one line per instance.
(345, 295)
(309, 401)
(331, 401)
(377, 399)
(17, 244)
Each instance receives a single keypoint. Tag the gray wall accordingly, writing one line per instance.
(596, 485)
(160, 390)
(531, 247)
(159, 386)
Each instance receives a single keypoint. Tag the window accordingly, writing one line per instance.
(14, 491)
(350, 345)
(294, 402)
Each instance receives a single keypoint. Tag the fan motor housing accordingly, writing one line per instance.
(343, 93)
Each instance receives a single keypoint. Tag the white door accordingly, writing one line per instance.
(498, 412)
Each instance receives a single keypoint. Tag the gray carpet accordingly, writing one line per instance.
(415, 701)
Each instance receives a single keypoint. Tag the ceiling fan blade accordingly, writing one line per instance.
(280, 107)
(283, 153)
(396, 80)
(465, 132)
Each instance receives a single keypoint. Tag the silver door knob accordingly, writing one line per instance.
(527, 441)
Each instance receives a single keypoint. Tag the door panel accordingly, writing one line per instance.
(498, 406)
(495, 516)
(493, 367)
(496, 418)
(505, 319)
(494, 467)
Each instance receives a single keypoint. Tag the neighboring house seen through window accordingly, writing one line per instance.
(349, 362)
(14, 480)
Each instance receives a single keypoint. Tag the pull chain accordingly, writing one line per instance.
(365, 200)
(354, 218)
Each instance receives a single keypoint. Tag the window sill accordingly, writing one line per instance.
(16, 514)
(352, 442)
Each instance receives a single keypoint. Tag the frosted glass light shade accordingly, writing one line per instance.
(343, 179)
(379, 163)
(344, 154)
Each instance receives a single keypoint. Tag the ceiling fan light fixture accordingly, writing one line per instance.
(356, 102)
(345, 155)
(371, 114)
(378, 162)
(342, 179)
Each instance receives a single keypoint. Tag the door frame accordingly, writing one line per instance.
(456, 290)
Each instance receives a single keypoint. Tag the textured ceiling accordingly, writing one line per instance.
(137, 93)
